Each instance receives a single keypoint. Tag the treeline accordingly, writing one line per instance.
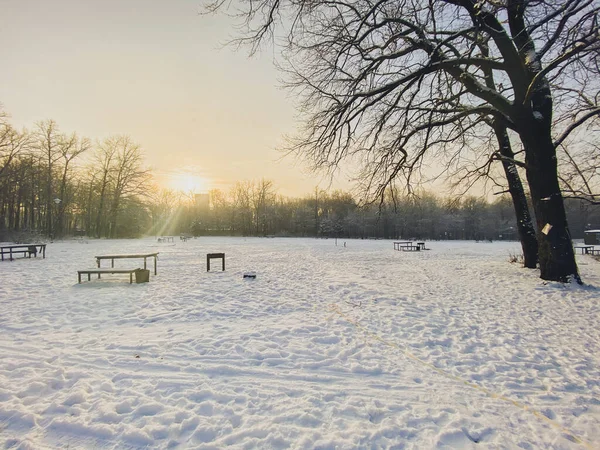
(46, 189)
(56, 185)
(255, 209)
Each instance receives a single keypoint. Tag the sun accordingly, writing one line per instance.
(188, 182)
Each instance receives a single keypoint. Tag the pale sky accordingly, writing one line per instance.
(156, 71)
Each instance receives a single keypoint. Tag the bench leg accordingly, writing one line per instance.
(89, 277)
(130, 277)
(207, 264)
(98, 276)
(144, 263)
(79, 277)
(223, 264)
(155, 257)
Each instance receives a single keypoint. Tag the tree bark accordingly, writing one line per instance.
(533, 113)
(555, 248)
(525, 227)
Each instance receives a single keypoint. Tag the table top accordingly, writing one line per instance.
(95, 270)
(583, 246)
(22, 245)
(140, 255)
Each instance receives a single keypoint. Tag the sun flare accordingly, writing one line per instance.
(187, 182)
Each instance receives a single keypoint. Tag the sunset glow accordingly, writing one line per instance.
(188, 182)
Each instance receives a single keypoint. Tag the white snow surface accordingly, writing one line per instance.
(330, 347)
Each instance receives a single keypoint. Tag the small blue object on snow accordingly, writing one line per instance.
(250, 275)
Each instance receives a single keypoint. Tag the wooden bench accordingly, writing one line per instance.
(25, 249)
(89, 273)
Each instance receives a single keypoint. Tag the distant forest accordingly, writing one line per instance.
(56, 185)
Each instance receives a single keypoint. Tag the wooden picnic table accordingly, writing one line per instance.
(26, 249)
(409, 246)
(132, 256)
(399, 244)
(584, 248)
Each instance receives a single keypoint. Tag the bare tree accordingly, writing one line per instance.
(12, 142)
(128, 177)
(119, 174)
(104, 157)
(165, 208)
(262, 197)
(220, 209)
(70, 147)
(506, 156)
(390, 82)
(48, 147)
(242, 206)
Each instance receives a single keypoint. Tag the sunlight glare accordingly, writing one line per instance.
(188, 182)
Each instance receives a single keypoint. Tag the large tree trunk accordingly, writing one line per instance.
(556, 256)
(525, 227)
(533, 118)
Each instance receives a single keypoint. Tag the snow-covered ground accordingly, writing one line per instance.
(329, 347)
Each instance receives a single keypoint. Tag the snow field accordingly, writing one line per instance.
(329, 347)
